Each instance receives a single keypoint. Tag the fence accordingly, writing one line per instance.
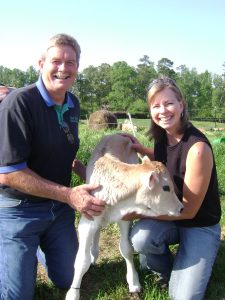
(215, 116)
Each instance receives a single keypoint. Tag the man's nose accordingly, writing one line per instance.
(62, 66)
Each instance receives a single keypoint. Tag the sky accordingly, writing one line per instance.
(188, 32)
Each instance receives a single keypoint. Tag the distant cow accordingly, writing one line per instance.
(128, 126)
(126, 187)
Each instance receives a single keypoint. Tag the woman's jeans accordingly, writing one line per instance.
(190, 269)
(24, 226)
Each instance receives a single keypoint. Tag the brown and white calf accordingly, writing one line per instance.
(126, 187)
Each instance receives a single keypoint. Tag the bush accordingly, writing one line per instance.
(219, 154)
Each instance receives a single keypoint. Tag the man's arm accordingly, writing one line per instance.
(78, 197)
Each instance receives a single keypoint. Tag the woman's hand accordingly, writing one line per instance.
(138, 147)
(132, 216)
(79, 168)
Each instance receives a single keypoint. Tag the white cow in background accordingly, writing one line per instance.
(126, 187)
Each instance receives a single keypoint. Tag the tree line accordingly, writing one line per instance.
(122, 88)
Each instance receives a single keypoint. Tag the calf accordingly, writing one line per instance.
(126, 187)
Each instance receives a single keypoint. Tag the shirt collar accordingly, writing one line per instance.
(47, 98)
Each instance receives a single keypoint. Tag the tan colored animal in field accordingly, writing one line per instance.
(126, 186)
(127, 126)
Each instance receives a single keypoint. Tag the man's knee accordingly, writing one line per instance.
(62, 280)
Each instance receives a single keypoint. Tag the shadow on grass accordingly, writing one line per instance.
(107, 281)
(101, 279)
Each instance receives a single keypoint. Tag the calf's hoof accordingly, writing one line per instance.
(73, 294)
(134, 289)
(135, 296)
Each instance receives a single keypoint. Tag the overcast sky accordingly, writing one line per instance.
(189, 32)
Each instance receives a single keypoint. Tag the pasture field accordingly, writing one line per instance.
(106, 280)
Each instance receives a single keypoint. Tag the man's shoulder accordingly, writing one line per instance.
(75, 101)
(73, 97)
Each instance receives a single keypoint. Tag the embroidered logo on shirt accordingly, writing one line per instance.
(74, 119)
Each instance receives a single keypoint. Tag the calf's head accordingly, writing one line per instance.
(157, 190)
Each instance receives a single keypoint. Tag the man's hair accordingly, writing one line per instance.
(63, 39)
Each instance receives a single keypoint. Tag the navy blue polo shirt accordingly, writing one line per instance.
(31, 134)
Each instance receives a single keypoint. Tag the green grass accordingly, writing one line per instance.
(106, 280)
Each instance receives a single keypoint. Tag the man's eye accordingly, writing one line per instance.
(70, 63)
(56, 62)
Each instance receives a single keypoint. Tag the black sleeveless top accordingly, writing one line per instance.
(174, 157)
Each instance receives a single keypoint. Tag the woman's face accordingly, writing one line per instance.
(166, 110)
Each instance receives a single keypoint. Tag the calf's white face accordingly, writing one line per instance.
(157, 191)
(145, 188)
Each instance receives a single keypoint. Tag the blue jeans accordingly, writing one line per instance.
(190, 269)
(26, 225)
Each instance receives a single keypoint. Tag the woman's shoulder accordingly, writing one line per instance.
(198, 144)
(193, 135)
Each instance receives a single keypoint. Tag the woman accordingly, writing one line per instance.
(188, 156)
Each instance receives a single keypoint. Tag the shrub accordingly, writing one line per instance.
(219, 154)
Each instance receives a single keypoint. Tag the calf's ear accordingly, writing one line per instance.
(145, 159)
(151, 179)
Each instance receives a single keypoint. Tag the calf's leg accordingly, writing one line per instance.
(95, 246)
(86, 231)
(126, 251)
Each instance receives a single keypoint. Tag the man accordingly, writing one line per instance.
(39, 142)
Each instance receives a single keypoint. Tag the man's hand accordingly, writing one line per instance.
(81, 200)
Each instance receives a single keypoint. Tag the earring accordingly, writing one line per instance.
(182, 115)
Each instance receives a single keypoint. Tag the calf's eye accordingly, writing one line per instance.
(166, 188)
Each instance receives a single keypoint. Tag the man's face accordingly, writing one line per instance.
(59, 70)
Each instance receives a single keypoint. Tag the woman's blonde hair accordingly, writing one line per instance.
(156, 132)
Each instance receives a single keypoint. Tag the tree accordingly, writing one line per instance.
(188, 82)
(15, 77)
(205, 94)
(96, 86)
(31, 75)
(165, 67)
(123, 82)
(223, 70)
(218, 96)
(145, 74)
